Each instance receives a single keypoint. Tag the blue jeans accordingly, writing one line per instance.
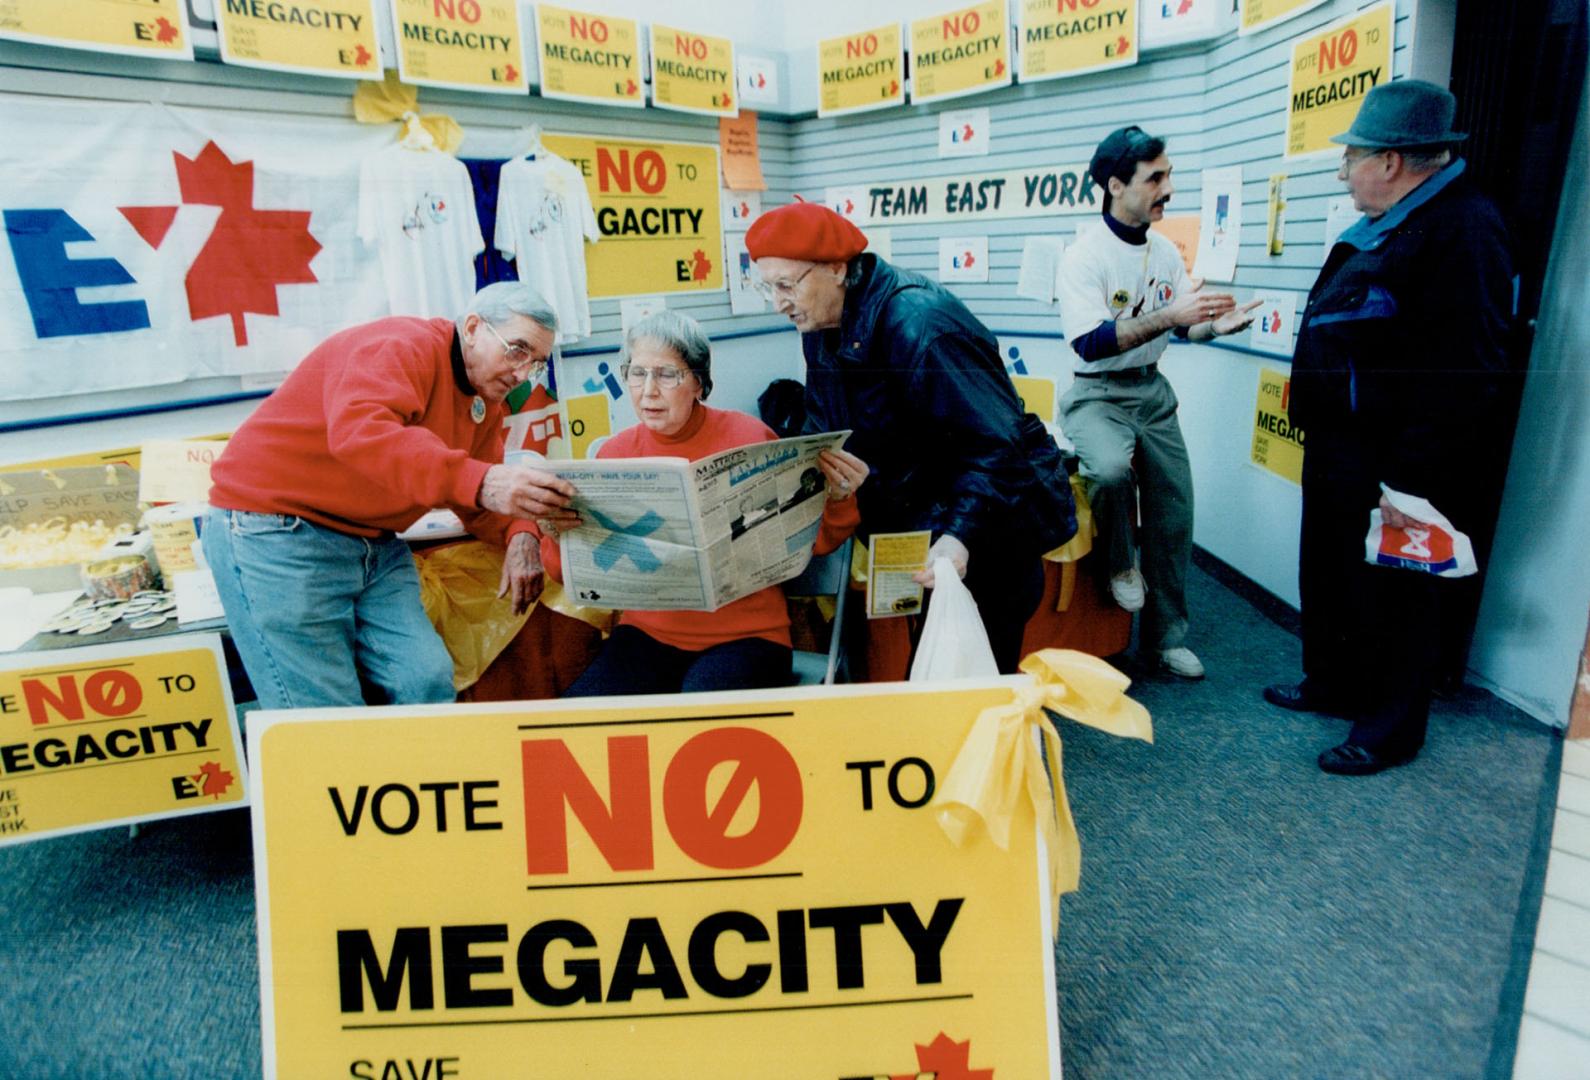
(311, 610)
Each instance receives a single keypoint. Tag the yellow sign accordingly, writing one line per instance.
(586, 57)
(1331, 72)
(1277, 444)
(589, 420)
(177, 470)
(683, 887)
(657, 209)
(960, 52)
(111, 734)
(133, 27)
(463, 44)
(1036, 395)
(319, 37)
(893, 561)
(1262, 14)
(860, 72)
(692, 72)
(1068, 37)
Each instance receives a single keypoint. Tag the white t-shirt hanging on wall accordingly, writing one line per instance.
(417, 209)
(1103, 278)
(544, 217)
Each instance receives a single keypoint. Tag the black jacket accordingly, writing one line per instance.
(1402, 352)
(935, 416)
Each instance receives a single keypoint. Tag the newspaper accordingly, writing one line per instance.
(661, 534)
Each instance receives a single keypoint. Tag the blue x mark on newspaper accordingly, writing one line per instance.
(624, 541)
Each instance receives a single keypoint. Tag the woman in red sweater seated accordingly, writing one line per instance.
(742, 645)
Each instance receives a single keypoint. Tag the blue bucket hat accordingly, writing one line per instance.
(1409, 112)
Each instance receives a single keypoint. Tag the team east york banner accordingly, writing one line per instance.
(146, 244)
(658, 210)
(1262, 14)
(112, 734)
(156, 28)
(1035, 192)
(960, 52)
(586, 57)
(1058, 38)
(461, 44)
(316, 37)
(698, 886)
(861, 71)
(1331, 72)
(692, 72)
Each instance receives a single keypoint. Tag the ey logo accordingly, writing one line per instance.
(248, 254)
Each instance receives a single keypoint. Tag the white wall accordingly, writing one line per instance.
(1532, 621)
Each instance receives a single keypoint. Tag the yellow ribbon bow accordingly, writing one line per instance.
(1001, 760)
(390, 99)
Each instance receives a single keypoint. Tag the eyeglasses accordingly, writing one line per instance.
(667, 376)
(1350, 159)
(521, 360)
(772, 290)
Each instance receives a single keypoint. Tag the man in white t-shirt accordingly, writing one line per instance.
(1123, 290)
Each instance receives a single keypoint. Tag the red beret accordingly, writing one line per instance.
(805, 231)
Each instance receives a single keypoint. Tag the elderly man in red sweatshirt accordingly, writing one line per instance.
(376, 426)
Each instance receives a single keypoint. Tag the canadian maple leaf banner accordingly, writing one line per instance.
(148, 245)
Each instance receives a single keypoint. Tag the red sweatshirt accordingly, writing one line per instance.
(762, 614)
(369, 432)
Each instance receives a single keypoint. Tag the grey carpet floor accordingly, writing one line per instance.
(1241, 913)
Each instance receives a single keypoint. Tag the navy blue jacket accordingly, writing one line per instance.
(935, 416)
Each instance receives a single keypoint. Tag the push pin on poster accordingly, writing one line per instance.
(1275, 242)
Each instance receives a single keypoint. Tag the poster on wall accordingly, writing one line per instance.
(1277, 444)
(589, 57)
(744, 299)
(963, 133)
(335, 37)
(1331, 71)
(1273, 323)
(692, 72)
(1176, 22)
(741, 209)
(1059, 39)
(963, 259)
(148, 245)
(477, 46)
(677, 881)
(1018, 193)
(104, 735)
(1219, 224)
(758, 79)
(657, 208)
(1181, 230)
(1340, 215)
(959, 52)
(1256, 15)
(860, 72)
(157, 28)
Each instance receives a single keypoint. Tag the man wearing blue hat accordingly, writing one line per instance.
(1397, 381)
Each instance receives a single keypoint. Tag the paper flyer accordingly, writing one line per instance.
(892, 559)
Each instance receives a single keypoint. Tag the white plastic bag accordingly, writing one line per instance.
(1432, 548)
(954, 644)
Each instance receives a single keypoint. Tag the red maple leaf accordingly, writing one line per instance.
(250, 252)
(894, 87)
(212, 779)
(630, 87)
(1186, 6)
(969, 259)
(702, 266)
(167, 32)
(745, 209)
(850, 207)
(966, 131)
(511, 73)
(1122, 46)
(761, 80)
(946, 1059)
(361, 56)
(999, 67)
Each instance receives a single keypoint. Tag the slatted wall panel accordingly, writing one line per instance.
(1218, 103)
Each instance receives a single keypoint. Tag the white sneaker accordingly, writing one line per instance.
(1127, 587)
(1181, 661)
